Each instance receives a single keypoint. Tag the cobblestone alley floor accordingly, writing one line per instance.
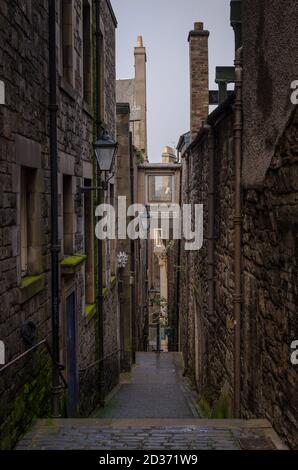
(153, 409)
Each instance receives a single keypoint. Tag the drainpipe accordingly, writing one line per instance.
(187, 156)
(55, 248)
(132, 257)
(211, 236)
(238, 232)
(99, 201)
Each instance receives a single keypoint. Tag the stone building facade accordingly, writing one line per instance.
(134, 92)
(25, 201)
(128, 276)
(268, 240)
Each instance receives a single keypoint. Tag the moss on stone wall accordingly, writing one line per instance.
(32, 401)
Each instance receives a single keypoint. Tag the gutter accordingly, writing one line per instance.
(109, 5)
(238, 126)
(55, 248)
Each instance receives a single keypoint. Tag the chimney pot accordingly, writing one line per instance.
(140, 41)
(199, 26)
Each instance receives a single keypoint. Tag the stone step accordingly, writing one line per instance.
(153, 434)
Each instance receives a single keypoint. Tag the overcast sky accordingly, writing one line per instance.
(164, 25)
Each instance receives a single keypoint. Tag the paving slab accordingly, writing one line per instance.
(153, 409)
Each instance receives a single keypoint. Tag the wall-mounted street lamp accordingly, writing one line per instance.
(105, 149)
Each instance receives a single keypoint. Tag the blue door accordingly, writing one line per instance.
(71, 356)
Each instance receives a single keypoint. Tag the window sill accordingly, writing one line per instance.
(65, 86)
(113, 282)
(31, 286)
(72, 264)
(87, 108)
(90, 311)
(105, 290)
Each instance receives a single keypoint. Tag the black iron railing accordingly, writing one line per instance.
(45, 343)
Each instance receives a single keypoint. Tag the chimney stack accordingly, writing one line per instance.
(199, 77)
(169, 155)
(140, 127)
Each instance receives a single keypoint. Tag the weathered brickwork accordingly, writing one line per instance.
(24, 142)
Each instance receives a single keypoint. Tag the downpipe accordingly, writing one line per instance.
(238, 126)
(99, 201)
(211, 209)
(55, 248)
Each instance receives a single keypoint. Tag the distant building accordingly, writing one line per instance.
(133, 91)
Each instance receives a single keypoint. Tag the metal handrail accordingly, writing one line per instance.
(99, 361)
(28, 351)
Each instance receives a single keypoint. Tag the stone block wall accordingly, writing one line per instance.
(269, 283)
(24, 141)
(24, 388)
(270, 286)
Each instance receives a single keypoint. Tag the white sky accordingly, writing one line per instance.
(164, 25)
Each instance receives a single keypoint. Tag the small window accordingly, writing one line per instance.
(66, 40)
(160, 188)
(29, 221)
(68, 216)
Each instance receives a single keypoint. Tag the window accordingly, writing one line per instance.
(66, 40)
(68, 216)
(29, 224)
(87, 78)
(88, 245)
(160, 188)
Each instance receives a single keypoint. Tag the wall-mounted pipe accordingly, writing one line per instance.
(238, 122)
(98, 48)
(211, 215)
(55, 248)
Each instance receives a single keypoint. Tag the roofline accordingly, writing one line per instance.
(112, 13)
(213, 119)
(223, 108)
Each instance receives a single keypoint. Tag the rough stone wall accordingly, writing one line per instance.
(184, 330)
(110, 68)
(24, 129)
(124, 190)
(24, 388)
(172, 272)
(111, 340)
(271, 65)
(270, 282)
(207, 340)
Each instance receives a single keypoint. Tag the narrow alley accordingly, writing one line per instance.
(148, 226)
(152, 409)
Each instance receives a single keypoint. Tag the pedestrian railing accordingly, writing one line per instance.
(45, 343)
